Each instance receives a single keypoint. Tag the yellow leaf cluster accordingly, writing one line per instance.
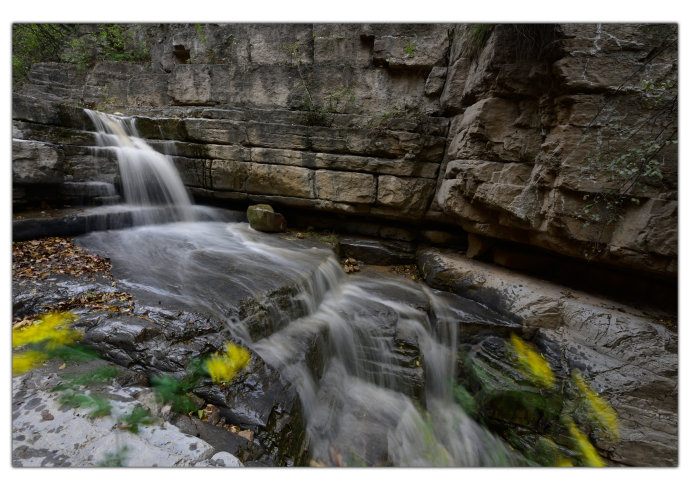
(25, 361)
(588, 453)
(224, 367)
(600, 410)
(51, 329)
(532, 364)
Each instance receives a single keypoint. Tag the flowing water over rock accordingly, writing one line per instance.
(372, 357)
(149, 178)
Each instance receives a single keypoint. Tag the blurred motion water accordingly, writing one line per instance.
(149, 178)
(373, 357)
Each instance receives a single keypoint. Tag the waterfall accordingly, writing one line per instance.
(372, 357)
(150, 181)
(359, 405)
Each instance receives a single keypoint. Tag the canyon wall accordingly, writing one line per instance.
(554, 139)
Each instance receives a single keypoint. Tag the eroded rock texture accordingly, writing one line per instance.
(521, 149)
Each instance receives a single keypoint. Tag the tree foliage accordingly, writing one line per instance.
(34, 43)
(82, 45)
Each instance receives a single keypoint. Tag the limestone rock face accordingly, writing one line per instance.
(413, 133)
(35, 163)
(345, 186)
(40, 437)
(408, 194)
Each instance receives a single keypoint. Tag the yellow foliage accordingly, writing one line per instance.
(25, 361)
(564, 462)
(600, 410)
(533, 364)
(589, 454)
(51, 329)
(224, 367)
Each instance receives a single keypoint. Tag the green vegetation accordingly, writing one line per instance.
(474, 39)
(33, 43)
(380, 121)
(411, 48)
(50, 336)
(98, 405)
(630, 158)
(83, 46)
(210, 55)
(551, 421)
(116, 458)
(139, 416)
(529, 41)
(337, 99)
(294, 50)
(200, 31)
(111, 42)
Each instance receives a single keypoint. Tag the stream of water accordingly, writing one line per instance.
(381, 391)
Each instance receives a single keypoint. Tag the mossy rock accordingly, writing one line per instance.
(264, 219)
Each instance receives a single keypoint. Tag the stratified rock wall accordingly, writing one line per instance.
(407, 123)
(516, 164)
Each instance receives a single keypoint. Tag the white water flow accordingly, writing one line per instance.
(372, 357)
(150, 181)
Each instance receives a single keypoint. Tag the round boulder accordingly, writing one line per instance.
(264, 219)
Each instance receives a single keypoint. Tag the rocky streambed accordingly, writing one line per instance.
(346, 370)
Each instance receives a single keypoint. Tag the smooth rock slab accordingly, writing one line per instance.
(44, 434)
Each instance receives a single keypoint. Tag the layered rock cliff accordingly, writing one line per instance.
(534, 141)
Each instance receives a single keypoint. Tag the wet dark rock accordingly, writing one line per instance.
(89, 193)
(253, 399)
(377, 251)
(221, 439)
(75, 223)
(30, 297)
(158, 340)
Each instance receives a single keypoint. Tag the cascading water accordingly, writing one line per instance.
(149, 178)
(379, 391)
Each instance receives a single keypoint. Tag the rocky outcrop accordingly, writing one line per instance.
(629, 356)
(515, 139)
(522, 152)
